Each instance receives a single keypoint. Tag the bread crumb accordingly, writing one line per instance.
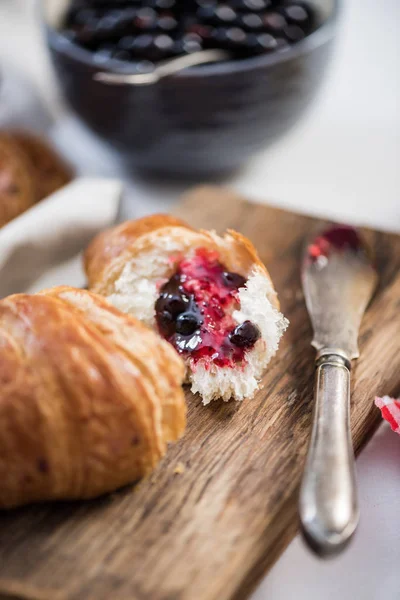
(179, 469)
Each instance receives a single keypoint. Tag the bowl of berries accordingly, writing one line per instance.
(197, 121)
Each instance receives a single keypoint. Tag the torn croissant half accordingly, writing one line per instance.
(89, 397)
(209, 296)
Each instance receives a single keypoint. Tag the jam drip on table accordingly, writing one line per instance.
(194, 311)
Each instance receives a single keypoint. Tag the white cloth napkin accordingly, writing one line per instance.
(35, 248)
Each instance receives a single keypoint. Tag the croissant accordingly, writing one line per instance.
(16, 181)
(30, 170)
(89, 397)
(50, 171)
(209, 296)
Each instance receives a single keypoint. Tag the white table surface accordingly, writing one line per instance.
(342, 161)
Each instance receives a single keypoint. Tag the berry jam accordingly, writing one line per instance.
(194, 312)
(154, 30)
(339, 237)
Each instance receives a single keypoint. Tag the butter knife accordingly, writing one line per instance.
(338, 279)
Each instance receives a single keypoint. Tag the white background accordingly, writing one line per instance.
(342, 160)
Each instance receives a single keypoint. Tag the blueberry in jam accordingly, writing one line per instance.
(187, 323)
(173, 300)
(245, 335)
(243, 27)
(166, 322)
(195, 307)
(177, 314)
(233, 280)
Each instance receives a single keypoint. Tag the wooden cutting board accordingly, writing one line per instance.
(221, 507)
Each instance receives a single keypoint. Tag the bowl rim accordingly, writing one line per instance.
(317, 38)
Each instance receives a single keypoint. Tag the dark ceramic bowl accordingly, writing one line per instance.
(204, 120)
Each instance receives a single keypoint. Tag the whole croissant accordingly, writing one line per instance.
(89, 397)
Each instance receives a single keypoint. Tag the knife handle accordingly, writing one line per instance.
(328, 497)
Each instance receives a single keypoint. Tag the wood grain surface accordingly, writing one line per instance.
(211, 530)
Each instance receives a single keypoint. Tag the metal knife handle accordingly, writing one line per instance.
(328, 497)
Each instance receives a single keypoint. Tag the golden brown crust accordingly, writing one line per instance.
(50, 171)
(115, 242)
(81, 413)
(155, 358)
(16, 181)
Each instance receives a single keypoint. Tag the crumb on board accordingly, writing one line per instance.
(179, 469)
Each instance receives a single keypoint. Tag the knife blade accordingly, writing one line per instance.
(338, 278)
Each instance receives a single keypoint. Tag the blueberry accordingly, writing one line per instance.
(163, 42)
(190, 43)
(154, 30)
(274, 22)
(236, 36)
(166, 323)
(255, 4)
(297, 14)
(167, 23)
(225, 14)
(233, 280)
(252, 21)
(294, 33)
(173, 304)
(141, 43)
(266, 42)
(145, 18)
(245, 335)
(108, 24)
(187, 323)
(219, 35)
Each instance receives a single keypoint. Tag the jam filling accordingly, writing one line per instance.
(194, 311)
